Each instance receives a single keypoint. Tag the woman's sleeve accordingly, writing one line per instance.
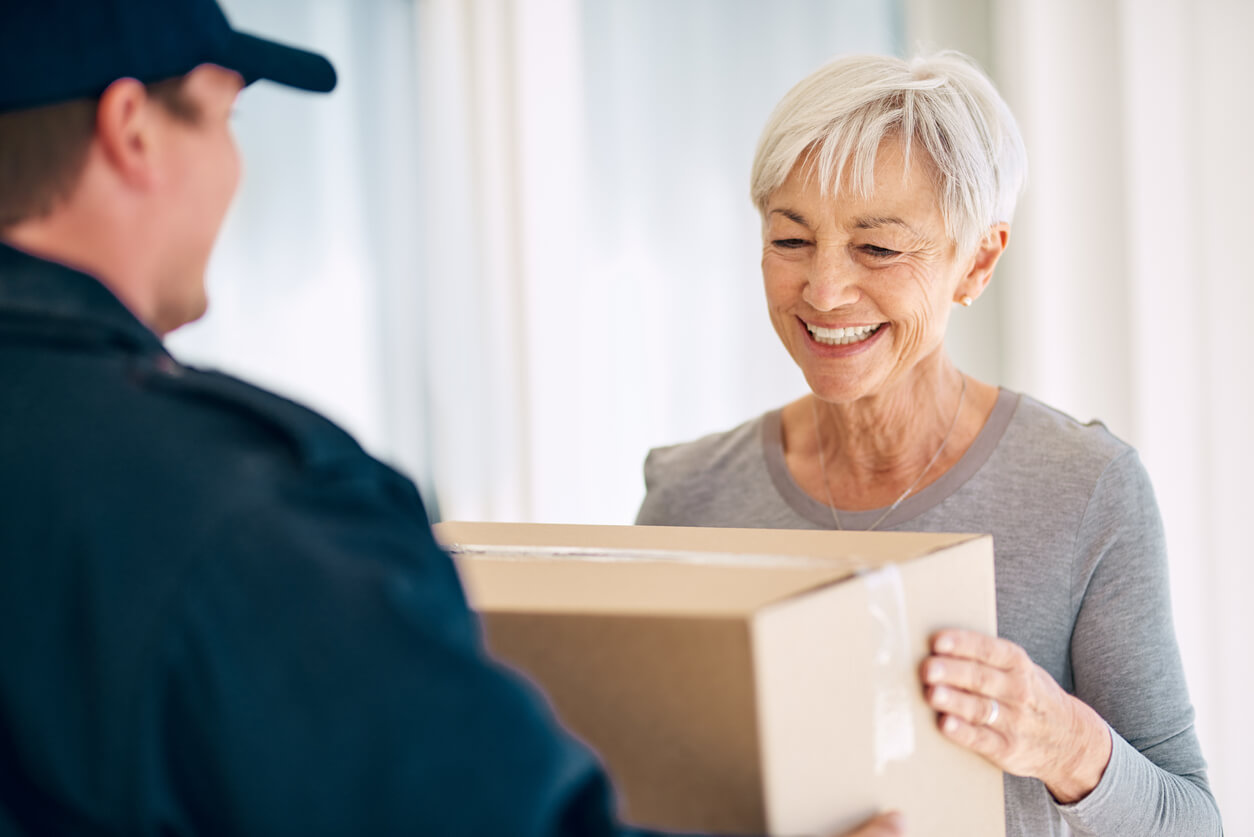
(654, 510)
(1127, 666)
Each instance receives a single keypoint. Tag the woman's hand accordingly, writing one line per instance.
(995, 701)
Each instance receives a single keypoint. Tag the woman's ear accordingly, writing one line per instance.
(983, 261)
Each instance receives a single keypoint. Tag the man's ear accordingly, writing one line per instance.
(984, 260)
(126, 131)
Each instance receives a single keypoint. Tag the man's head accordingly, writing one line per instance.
(116, 153)
(43, 149)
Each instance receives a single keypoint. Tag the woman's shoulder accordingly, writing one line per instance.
(717, 480)
(724, 452)
(1051, 433)
(1044, 444)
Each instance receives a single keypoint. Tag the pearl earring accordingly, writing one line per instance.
(966, 301)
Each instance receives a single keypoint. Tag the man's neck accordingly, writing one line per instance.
(88, 241)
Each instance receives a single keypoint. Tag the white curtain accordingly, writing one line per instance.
(515, 250)
(314, 288)
(1127, 294)
(591, 249)
(614, 299)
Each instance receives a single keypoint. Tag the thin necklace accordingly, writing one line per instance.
(827, 487)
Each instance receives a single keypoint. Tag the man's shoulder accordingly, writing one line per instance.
(197, 445)
(223, 422)
(309, 438)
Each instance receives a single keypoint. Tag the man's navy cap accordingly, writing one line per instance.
(56, 50)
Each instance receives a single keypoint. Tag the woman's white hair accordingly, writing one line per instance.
(837, 117)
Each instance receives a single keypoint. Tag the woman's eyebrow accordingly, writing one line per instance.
(792, 216)
(870, 222)
(862, 222)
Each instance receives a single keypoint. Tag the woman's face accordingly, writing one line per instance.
(860, 289)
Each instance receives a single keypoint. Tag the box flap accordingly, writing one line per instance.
(662, 587)
(860, 549)
(660, 570)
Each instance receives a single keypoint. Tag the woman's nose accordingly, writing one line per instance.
(832, 282)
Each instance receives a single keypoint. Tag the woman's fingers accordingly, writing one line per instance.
(981, 679)
(970, 645)
(979, 738)
(975, 710)
(968, 675)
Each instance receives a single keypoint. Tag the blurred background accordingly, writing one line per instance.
(515, 250)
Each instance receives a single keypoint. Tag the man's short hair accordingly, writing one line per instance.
(43, 149)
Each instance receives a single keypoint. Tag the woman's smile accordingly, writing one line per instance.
(841, 341)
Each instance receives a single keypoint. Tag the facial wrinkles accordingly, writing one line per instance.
(827, 229)
(914, 330)
(909, 288)
(921, 277)
(922, 272)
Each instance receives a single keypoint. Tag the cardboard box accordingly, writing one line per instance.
(745, 681)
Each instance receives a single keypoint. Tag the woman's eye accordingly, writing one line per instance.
(878, 252)
(790, 243)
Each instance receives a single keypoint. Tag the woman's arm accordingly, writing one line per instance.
(1143, 774)
(1126, 665)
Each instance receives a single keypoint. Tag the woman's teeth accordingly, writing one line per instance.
(841, 336)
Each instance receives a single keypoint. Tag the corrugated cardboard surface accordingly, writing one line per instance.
(739, 688)
(668, 703)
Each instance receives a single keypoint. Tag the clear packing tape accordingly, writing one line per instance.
(614, 555)
(890, 648)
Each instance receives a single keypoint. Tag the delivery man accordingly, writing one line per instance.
(217, 614)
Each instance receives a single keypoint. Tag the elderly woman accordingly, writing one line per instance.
(886, 190)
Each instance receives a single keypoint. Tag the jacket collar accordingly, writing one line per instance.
(53, 299)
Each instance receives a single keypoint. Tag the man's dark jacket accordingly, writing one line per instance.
(219, 616)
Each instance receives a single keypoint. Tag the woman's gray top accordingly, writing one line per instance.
(1081, 584)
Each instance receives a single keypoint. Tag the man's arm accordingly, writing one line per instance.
(322, 674)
